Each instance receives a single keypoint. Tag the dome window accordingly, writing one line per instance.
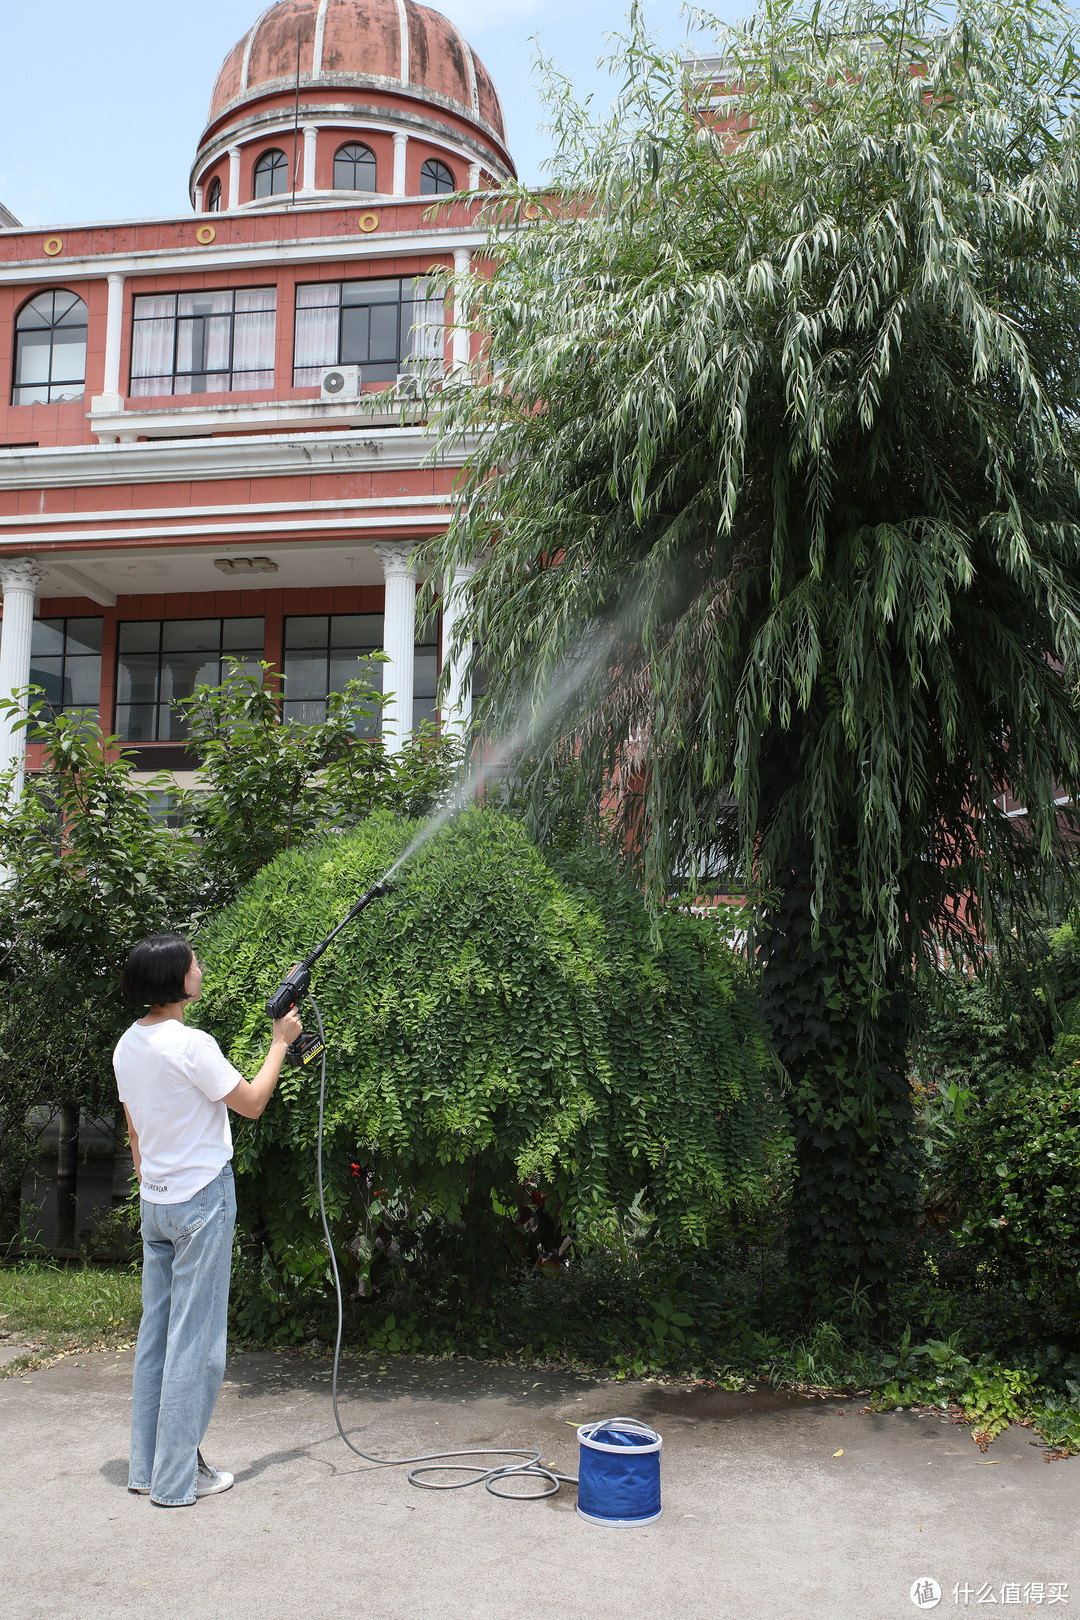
(354, 168)
(50, 349)
(213, 197)
(272, 174)
(435, 179)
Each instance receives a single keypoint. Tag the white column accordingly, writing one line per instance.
(474, 177)
(234, 177)
(109, 399)
(199, 200)
(399, 641)
(401, 143)
(462, 337)
(311, 136)
(19, 579)
(457, 684)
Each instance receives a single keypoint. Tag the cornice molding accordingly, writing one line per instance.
(131, 421)
(327, 532)
(379, 82)
(242, 255)
(267, 456)
(46, 522)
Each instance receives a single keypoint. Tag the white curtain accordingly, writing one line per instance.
(316, 341)
(152, 345)
(253, 338)
(426, 340)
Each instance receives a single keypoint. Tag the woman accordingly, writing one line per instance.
(176, 1087)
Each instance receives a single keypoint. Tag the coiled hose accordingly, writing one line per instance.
(527, 1464)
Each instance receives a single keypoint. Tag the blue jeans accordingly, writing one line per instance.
(180, 1356)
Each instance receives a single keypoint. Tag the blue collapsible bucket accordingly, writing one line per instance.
(619, 1472)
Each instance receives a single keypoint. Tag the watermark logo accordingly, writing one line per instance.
(925, 1593)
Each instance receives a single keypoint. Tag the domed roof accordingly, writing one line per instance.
(385, 44)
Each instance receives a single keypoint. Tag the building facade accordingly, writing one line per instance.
(187, 473)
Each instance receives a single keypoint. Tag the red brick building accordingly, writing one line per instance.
(185, 472)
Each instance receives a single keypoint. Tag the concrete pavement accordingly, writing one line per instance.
(762, 1521)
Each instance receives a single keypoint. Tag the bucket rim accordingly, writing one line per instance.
(634, 1425)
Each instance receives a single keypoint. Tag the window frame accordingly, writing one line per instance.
(16, 386)
(429, 629)
(264, 165)
(362, 147)
(427, 171)
(176, 319)
(359, 281)
(213, 196)
(92, 713)
(241, 655)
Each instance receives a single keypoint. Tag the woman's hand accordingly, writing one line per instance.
(289, 1028)
(250, 1097)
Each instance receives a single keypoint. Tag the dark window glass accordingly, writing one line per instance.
(159, 661)
(435, 179)
(354, 168)
(384, 327)
(323, 653)
(65, 660)
(50, 349)
(426, 671)
(213, 197)
(203, 342)
(271, 174)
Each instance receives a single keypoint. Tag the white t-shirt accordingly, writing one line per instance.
(171, 1079)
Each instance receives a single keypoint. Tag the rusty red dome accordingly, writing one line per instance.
(389, 45)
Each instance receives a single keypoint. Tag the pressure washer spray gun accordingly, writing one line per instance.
(291, 991)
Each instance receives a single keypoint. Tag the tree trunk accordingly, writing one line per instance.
(67, 1177)
(845, 1052)
(10, 1205)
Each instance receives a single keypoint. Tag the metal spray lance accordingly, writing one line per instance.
(292, 989)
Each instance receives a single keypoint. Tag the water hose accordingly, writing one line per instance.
(527, 1465)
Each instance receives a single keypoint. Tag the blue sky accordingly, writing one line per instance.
(103, 103)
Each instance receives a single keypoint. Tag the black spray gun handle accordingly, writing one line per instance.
(289, 993)
(294, 987)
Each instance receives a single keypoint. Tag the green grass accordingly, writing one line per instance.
(67, 1309)
(63, 1309)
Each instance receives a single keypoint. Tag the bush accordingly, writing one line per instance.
(1012, 1160)
(1065, 965)
(514, 1048)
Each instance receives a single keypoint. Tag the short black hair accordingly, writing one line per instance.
(155, 971)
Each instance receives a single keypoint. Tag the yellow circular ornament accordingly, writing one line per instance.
(368, 222)
(205, 234)
(53, 246)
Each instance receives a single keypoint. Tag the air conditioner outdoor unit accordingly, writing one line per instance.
(340, 382)
(408, 385)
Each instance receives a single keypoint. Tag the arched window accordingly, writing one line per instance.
(213, 197)
(435, 178)
(354, 168)
(50, 349)
(272, 174)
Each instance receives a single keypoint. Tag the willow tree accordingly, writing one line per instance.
(783, 423)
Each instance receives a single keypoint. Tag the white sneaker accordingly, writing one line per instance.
(211, 1481)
